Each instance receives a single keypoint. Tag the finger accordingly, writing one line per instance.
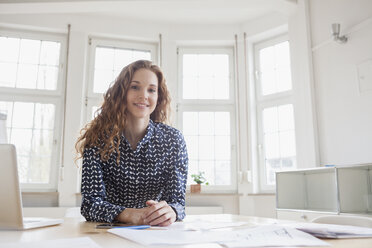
(161, 219)
(156, 214)
(168, 218)
(151, 202)
(167, 222)
(154, 208)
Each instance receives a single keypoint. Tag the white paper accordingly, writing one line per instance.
(84, 242)
(331, 231)
(250, 237)
(272, 235)
(173, 237)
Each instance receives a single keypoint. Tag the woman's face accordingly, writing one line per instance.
(142, 94)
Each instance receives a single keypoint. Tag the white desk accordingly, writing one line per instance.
(78, 227)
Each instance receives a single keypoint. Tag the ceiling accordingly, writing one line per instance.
(175, 11)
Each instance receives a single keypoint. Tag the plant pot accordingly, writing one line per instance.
(195, 188)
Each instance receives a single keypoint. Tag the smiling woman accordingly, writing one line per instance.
(134, 165)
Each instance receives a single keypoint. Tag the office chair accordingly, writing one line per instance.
(360, 221)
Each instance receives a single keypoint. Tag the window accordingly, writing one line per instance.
(275, 110)
(107, 59)
(206, 114)
(31, 97)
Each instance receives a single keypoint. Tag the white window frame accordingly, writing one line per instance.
(262, 102)
(55, 97)
(96, 99)
(211, 105)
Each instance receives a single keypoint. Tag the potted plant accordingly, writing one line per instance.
(198, 179)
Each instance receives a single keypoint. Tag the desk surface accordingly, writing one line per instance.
(78, 227)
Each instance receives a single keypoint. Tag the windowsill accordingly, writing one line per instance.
(212, 193)
(54, 193)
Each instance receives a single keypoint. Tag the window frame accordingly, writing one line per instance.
(95, 99)
(55, 97)
(271, 100)
(211, 105)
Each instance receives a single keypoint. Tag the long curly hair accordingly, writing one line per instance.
(105, 130)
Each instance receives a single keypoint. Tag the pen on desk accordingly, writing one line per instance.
(134, 227)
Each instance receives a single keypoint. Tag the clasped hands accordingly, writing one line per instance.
(155, 214)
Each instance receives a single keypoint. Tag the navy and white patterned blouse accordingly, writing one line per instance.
(156, 170)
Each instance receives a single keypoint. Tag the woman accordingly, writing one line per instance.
(134, 165)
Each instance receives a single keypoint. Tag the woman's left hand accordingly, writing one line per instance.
(159, 213)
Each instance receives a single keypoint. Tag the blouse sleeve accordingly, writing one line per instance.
(175, 188)
(94, 206)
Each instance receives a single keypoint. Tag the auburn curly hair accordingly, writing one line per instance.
(105, 129)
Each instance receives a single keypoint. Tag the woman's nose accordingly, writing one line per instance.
(143, 95)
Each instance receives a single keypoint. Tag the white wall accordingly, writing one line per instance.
(344, 113)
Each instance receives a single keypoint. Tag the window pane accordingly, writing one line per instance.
(222, 148)
(222, 123)
(275, 69)
(29, 51)
(23, 115)
(207, 166)
(8, 74)
(221, 87)
(206, 123)
(206, 147)
(104, 58)
(109, 61)
(21, 138)
(102, 80)
(190, 123)
(192, 143)
(31, 129)
(208, 141)
(189, 86)
(44, 116)
(205, 76)
(271, 145)
(193, 168)
(279, 140)
(205, 88)
(49, 54)
(30, 64)
(122, 58)
(9, 49)
(27, 76)
(47, 77)
(223, 172)
(286, 121)
(190, 65)
(287, 144)
(270, 120)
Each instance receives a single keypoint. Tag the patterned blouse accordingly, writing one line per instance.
(156, 170)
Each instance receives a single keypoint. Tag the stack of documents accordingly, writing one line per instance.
(331, 231)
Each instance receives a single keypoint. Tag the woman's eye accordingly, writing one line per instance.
(134, 87)
(152, 90)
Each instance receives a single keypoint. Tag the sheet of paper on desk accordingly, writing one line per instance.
(272, 235)
(173, 237)
(251, 237)
(331, 231)
(84, 242)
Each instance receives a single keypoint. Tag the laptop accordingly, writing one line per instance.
(11, 214)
